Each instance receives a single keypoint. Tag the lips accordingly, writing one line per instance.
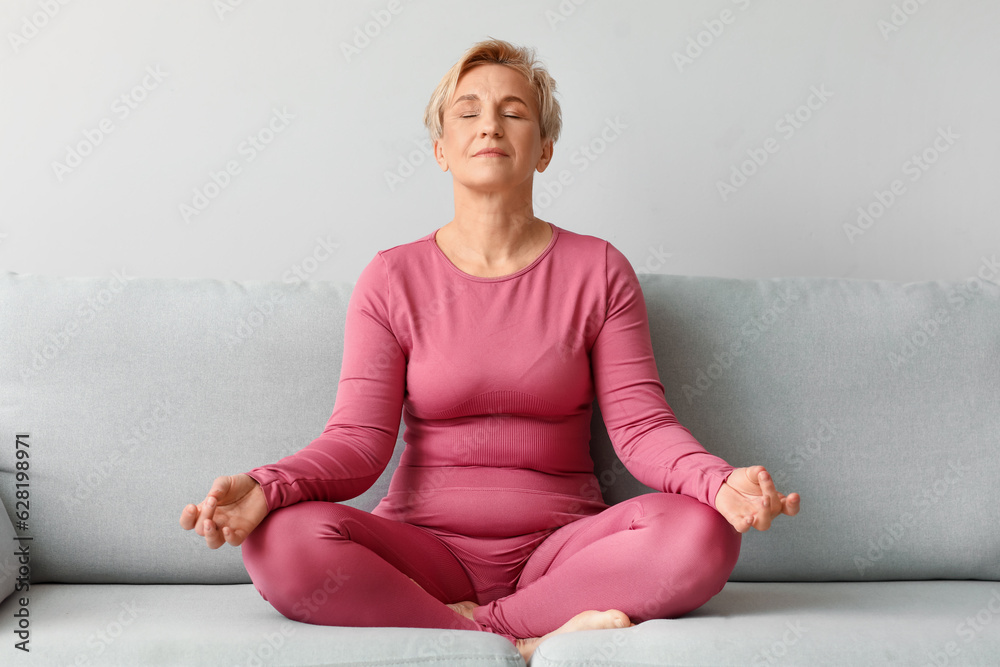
(491, 152)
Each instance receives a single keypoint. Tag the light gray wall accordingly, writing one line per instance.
(166, 92)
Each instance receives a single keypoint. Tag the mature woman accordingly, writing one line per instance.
(493, 334)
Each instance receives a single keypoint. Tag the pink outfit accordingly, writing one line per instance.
(495, 498)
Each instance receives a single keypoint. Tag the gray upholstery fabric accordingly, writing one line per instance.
(115, 625)
(867, 623)
(169, 384)
(896, 462)
(845, 623)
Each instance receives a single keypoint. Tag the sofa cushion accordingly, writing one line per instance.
(842, 623)
(878, 401)
(138, 393)
(849, 623)
(188, 625)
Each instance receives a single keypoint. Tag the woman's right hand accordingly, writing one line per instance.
(231, 510)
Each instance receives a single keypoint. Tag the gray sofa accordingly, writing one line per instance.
(878, 401)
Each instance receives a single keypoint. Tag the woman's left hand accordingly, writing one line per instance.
(748, 499)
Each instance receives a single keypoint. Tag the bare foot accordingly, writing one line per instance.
(585, 620)
(464, 608)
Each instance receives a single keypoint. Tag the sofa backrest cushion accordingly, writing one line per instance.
(138, 392)
(877, 401)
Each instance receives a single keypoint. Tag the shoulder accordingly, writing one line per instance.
(580, 242)
(595, 250)
(406, 251)
(398, 258)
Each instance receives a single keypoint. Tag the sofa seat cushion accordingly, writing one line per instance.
(840, 623)
(113, 625)
(917, 623)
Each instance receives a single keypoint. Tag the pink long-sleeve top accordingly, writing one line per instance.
(496, 379)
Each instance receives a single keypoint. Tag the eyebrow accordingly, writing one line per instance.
(474, 97)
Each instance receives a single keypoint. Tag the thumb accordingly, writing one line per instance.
(753, 474)
(220, 488)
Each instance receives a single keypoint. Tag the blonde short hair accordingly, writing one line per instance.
(499, 52)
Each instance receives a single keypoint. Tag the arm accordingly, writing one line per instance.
(354, 448)
(653, 445)
(357, 443)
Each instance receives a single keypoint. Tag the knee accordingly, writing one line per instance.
(696, 531)
(287, 530)
(698, 548)
(274, 538)
(281, 557)
(713, 539)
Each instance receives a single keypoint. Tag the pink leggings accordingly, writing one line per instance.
(657, 555)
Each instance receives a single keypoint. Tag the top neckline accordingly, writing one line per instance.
(494, 279)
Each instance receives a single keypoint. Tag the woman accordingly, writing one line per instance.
(495, 333)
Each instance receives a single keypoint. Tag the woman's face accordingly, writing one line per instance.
(493, 108)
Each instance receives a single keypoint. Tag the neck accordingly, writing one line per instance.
(492, 228)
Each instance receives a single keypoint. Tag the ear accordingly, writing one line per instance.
(548, 146)
(439, 155)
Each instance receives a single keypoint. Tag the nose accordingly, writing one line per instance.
(490, 123)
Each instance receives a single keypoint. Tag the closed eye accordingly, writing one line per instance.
(473, 115)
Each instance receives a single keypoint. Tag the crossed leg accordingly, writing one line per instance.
(331, 564)
(654, 556)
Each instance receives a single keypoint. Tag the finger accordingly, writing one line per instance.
(206, 513)
(771, 498)
(770, 504)
(189, 516)
(741, 522)
(753, 474)
(766, 483)
(213, 536)
(762, 520)
(790, 505)
(234, 538)
(199, 527)
(220, 487)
